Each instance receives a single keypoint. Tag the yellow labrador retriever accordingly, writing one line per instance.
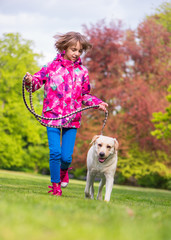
(101, 162)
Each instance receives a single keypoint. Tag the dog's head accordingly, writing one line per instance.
(105, 147)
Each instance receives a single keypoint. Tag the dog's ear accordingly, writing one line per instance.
(94, 138)
(116, 144)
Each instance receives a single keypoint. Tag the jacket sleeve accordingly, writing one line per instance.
(38, 79)
(88, 99)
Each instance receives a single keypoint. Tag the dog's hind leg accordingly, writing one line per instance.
(101, 185)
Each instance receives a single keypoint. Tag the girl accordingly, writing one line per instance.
(66, 87)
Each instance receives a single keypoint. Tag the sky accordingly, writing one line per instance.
(40, 20)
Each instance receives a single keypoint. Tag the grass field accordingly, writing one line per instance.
(27, 212)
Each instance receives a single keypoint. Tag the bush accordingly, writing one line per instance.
(153, 180)
(139, 169)
(79, 173)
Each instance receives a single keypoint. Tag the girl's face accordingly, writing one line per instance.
(73, 52)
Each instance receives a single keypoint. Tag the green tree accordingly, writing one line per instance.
(163, 15)
(20, 135)
(162, 121)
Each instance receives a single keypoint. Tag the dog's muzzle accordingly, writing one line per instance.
(102, 157)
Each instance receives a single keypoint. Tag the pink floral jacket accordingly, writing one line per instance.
(66, 87)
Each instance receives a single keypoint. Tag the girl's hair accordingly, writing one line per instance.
(71, 38)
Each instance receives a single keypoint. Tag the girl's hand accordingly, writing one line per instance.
(28, 77)
(102, 106)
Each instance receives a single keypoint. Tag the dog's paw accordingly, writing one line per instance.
(99, 198)
(87, 195)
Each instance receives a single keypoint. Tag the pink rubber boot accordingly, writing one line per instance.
(64, 177)
(55, 189)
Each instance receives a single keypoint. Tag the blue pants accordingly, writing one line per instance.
(60, 154)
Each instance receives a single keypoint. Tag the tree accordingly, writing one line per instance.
(18, 139)
(162, 120)
(163, 15)
(106, 62)
(143, 90)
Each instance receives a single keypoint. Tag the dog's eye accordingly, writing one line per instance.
(100, 145)
(109, 147)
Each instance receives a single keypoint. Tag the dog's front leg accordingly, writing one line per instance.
(109, 186)
(87, 188)
(92, 188)
(101, 185)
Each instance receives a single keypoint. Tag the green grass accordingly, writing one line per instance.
(27, 212)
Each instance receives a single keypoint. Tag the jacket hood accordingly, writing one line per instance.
(65, 62)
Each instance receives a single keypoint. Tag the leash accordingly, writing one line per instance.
(39, 117)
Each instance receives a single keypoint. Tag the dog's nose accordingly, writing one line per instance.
(101, 154)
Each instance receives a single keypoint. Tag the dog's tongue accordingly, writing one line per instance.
(101, 160)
